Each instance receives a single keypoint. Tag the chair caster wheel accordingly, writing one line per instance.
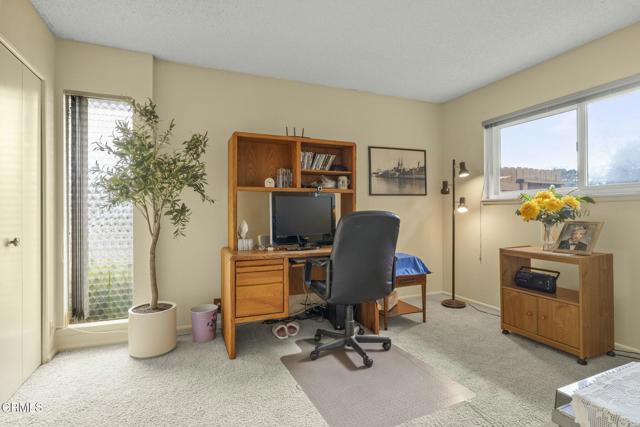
(582, 362)
(504, 331)
(360, 330)
(317, 337)
(386, 346)
(314, 355)
(611, 353)
(368, 362)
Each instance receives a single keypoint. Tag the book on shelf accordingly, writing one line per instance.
(316, 161)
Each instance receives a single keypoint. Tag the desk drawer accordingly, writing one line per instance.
(411, 280)
(259, 299)
(260, 277)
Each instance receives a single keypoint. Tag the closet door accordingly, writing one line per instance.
(10, 224)
(31, 246)
(20, 224)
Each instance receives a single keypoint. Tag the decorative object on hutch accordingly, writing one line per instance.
(256, 284)
(578, 321)
(461, 208)
(550, 208)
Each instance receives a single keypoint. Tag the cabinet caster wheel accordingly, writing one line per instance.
(582, 362)
(386, 346)
(314, 355)
(317, 337)
(611, 353)
(504, 331)
(360, 330)
(368, 362)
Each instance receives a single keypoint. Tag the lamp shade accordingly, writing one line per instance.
(462, 205)
(445, 187)
(463, 170)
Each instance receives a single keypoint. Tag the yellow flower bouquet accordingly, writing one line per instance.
(551, 208)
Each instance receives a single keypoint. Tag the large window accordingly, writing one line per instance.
(100, 241)
(592, 143)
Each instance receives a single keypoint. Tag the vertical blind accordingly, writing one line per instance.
(77, 134)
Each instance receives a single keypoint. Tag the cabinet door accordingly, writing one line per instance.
(559, 321)
(519, 310)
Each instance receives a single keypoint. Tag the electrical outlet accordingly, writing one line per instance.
(52, 327)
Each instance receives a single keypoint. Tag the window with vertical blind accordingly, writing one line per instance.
(100, 240)
(588, 141)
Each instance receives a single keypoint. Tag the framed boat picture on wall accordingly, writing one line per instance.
(397, 172)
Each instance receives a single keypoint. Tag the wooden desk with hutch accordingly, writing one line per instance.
(256, 284)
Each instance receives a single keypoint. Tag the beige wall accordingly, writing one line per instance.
(24, 32)
(486, 228)
(222, 102)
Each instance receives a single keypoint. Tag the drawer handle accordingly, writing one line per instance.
(543, 317)
(529, 313)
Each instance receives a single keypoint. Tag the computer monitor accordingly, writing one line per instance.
(302, 218)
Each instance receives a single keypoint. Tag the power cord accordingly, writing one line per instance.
(315, 312)
(482, 311)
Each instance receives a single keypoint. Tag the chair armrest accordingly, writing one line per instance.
(308, 265)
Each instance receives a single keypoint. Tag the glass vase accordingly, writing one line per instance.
(548, 241)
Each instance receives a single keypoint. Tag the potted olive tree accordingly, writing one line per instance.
(152, 177)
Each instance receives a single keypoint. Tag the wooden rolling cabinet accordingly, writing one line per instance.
(578, 321)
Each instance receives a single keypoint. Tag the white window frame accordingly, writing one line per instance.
(492, 143)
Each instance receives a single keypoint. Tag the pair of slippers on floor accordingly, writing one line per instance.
(285, 330)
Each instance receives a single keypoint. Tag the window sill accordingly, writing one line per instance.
(599, 198)
(100, 325)
(91, 334)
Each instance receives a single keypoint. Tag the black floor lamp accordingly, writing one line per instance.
(461, 208)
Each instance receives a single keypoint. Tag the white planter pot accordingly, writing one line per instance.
(152, 334)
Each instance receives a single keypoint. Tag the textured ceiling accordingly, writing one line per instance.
(421, 49)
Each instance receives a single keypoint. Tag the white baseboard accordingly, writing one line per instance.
(623, 347)
(97, 334)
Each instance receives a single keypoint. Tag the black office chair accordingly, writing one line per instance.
(361, 268)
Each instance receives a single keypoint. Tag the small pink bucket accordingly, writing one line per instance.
(203, 322)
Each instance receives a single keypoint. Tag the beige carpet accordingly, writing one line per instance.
(514, 379)
(396, 389)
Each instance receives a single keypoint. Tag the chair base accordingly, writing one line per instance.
(351, 337)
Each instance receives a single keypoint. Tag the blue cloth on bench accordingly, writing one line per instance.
(407, 265)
